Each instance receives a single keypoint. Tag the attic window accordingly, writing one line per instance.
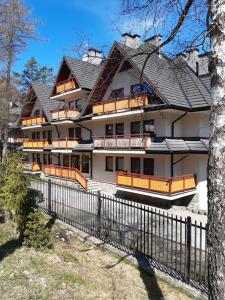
(37, 112)
(117, 93)
(125, 66)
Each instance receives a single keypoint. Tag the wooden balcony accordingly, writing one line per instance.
(65, 86)
(36, 167)
(65, 114)
(163, 185)
(67, 173)
(135, 141)
(35, 144)
(31, 121)
(119, 104)
(64, 143)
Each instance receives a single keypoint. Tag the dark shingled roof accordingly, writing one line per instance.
(174, 80)
(85, 72)
(43, 92)
(179, 146)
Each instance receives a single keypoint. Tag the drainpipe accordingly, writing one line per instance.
(173, 123)
(172, 135)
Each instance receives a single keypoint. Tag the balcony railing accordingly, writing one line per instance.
(36, 120)
(134, 141)
(64, 143)
(65, 86)
(36, 166)
(157, 184)
(41, 143)
(67, 173)
(65, 114)
(118, 104)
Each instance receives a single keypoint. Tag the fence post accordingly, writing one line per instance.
(49, 196)
(188, 245)
(99, 205)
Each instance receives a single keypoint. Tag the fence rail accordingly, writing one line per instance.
(172, 244)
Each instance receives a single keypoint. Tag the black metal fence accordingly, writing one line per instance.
(171, 244)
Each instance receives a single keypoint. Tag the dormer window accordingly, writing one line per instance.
(117, 93)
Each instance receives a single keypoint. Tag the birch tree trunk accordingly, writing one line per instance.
(216, 164)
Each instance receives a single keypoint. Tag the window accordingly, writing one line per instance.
(76, 104)
(38, 160)
(120, 129)
(72, 104)
(66, 161)
(71, 132)
(50, 159)
(119, 164)
(36, 112)
(78, 133)
(79, 104)
(36, 135)
(49, 134)
(109, 163)
(148, 166)
(45, 159)
(75, 161)
(148, 126)
(125, 66)
(85, 164)
(135, 127)
(117, 93)
(108, 129)
(135, 165)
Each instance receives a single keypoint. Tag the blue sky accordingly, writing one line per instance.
(63, 25)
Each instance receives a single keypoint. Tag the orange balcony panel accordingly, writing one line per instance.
(68, 173)
(122, 104)
(65, 86)
(37, 120)
(157, 184)
(36, 167)
(98, 109)
(37, 144)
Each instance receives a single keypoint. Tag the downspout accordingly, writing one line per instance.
(90, 130)
(172, 135)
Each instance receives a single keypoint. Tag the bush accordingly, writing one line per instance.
(36, 234)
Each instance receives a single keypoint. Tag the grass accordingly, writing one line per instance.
(74, 269)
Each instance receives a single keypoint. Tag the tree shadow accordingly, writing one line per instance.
(147, 275)
(9, 247)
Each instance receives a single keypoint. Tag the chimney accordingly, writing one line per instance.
(155, 40)
(192, 59)
(132, 41)
(93, 56)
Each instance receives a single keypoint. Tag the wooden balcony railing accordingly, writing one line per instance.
(41, 143)
(65, 86)
(134, 141)
(36, 120)
(64, 143)
(157, 184)
(68, 173)
(36, 166)
(65, 114)
(114, 105)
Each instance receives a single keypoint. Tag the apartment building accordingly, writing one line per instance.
(107, 127)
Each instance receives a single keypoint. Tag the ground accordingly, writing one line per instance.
(73, 268)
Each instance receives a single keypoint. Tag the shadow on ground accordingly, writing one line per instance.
(147, 275)
(9, 247)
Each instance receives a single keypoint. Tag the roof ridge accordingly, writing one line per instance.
(82, 61)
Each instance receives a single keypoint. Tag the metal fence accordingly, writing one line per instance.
(171, 244)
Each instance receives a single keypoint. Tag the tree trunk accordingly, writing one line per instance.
(216, 164)
(8, 98)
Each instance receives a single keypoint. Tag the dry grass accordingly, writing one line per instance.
(73, 269)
